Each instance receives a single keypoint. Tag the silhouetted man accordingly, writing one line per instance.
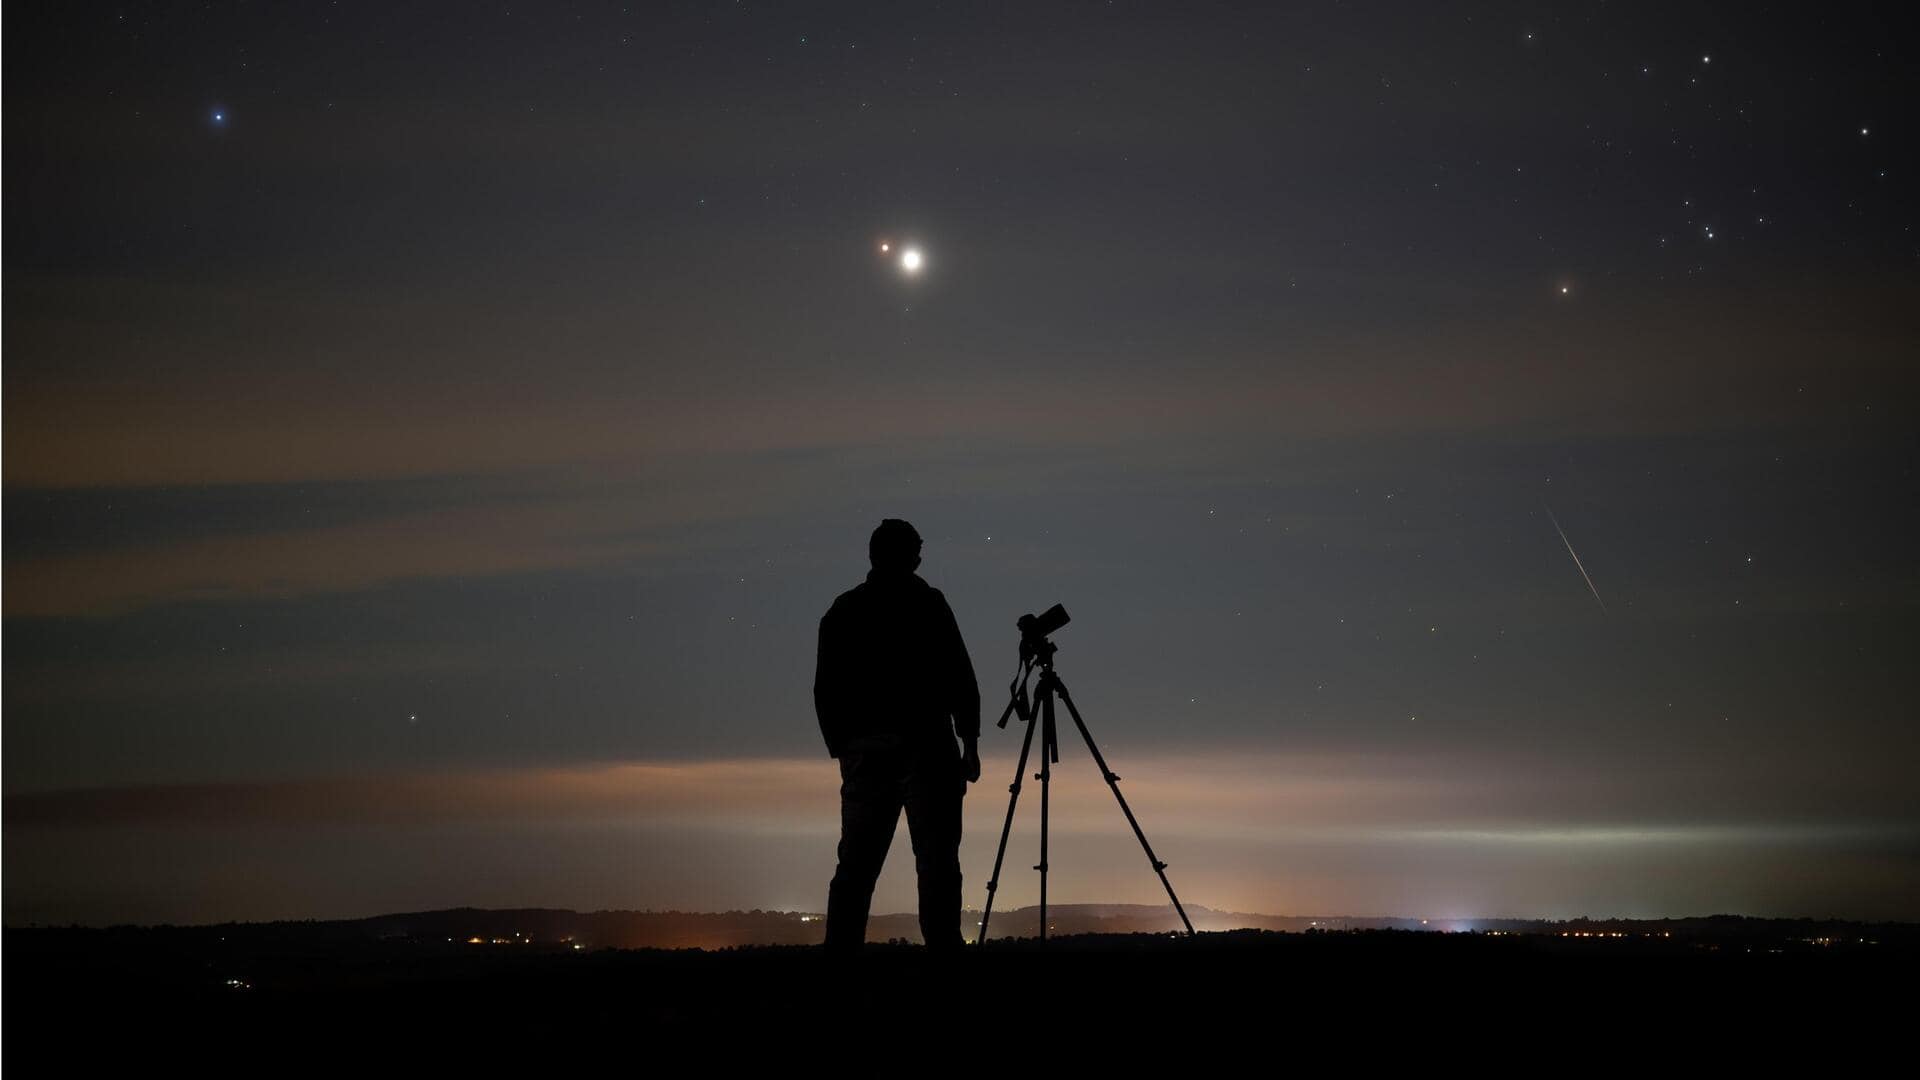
(892, 687)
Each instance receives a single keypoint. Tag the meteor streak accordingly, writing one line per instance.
(1576, 560)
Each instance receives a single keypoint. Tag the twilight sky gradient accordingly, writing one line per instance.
(433, 432)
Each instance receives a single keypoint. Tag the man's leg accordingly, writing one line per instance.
(934, 797)
(870, 799)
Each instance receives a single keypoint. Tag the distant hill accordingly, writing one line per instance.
(550, 927)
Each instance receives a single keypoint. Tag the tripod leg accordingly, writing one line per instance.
(1013, 800)
(1049, 753)
(1113, 782)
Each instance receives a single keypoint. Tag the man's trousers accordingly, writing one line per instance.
(877, 780)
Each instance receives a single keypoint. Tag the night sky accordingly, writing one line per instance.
(433, 433)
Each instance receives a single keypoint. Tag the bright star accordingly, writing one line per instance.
(910, 260)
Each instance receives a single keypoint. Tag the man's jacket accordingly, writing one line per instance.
(892, 663)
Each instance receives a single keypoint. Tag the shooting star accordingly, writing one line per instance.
(1576, 560)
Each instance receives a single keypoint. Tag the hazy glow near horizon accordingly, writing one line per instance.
(1303, 834)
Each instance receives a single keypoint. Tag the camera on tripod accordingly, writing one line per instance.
(1035, 628)
(1036, 654)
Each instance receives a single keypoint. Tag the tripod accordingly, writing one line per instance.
(1040, 652)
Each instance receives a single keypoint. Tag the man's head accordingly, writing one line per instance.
(894, 548)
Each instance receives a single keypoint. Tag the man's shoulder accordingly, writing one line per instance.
(850, 599)
(866, 592)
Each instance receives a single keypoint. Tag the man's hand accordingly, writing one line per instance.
(970, 761)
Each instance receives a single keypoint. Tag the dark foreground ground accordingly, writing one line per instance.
(1238, 1002)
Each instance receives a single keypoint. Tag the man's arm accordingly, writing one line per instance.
(963, 693)
(827, 695)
